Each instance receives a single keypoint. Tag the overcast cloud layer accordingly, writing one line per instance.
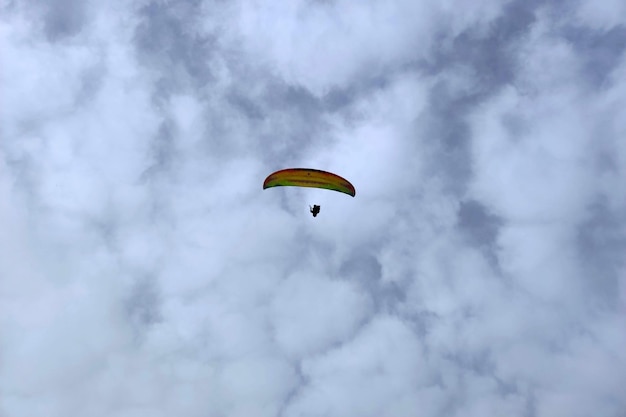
(480, 270)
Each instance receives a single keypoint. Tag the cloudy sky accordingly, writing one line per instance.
(479, 271)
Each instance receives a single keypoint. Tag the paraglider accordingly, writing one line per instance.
(315, 210)
(306, 177)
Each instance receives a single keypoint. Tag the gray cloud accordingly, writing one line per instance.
(601, 51)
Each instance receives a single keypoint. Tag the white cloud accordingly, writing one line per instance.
(601, 15)
(311, 314)
(375, 374)
(343, 41)
(478, 271)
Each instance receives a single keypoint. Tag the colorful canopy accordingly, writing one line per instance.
(305, 177)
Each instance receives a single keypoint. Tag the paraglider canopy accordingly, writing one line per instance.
(306, 177)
